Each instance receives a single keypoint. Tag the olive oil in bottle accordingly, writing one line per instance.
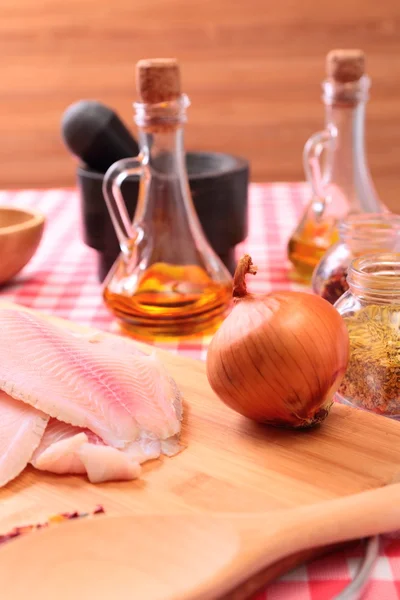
(168, 281)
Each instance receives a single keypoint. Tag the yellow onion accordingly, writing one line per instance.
(278, 358)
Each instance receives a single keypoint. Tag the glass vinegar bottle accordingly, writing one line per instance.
(345, 186)
(167, 281)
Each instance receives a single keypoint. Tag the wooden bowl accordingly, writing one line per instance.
(20, 233)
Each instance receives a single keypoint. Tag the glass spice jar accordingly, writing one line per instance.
(371, 311)
(359, 234)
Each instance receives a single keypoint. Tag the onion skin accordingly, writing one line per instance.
(279, 358)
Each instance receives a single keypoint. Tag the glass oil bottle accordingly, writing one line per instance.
(167, 282)
(345, 185)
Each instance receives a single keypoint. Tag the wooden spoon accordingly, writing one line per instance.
(181, 557)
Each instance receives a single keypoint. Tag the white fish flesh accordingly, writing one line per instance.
(68, 449)
(103, 463)
(58, 448)
(21, 430)
(125, 398)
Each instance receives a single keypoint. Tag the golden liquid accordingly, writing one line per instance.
(171, 301)
(306, 249)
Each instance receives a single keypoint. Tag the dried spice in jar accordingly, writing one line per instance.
(358, 235)
(371, 311)
(335, 286)
(372, 379)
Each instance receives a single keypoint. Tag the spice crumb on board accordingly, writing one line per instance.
(54, 519)
(372, 379)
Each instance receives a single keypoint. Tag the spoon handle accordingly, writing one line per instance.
(353, 517)
(269, 538)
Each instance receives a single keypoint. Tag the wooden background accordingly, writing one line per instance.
(252, 70)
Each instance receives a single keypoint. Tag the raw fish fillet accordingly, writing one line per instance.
(119, 343)
(21, 429)
(104, 463)
(146, 448)
(68, 449)
(123, 397)
(58, 448)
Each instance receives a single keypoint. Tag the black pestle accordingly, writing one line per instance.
(96, 135)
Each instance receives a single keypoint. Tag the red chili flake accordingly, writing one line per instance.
(73, 515)
(99, 510)
(9, 536)
(25, 529)
(15, 533)
(335, 286)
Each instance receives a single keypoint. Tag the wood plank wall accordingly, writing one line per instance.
(252, 70)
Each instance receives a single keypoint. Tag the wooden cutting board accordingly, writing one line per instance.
(229, 464)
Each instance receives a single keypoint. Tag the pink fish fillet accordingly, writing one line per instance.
(21, 429)
(123, 397)
(68, 449)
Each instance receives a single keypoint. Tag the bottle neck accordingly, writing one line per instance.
(346, 166)
(165, 208)
(164, 152)
(161, 129)
(376, 278)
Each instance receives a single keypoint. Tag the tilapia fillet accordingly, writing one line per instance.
(21, 430)
(126, 398)
(68, 449)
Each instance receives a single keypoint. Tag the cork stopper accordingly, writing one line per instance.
(158, 80)
(345, 66)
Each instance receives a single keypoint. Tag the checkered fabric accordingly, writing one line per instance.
(61, 280)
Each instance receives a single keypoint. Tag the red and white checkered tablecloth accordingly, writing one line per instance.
(61, 279)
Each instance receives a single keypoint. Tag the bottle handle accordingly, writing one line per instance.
(112, 182)
(311, 161)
